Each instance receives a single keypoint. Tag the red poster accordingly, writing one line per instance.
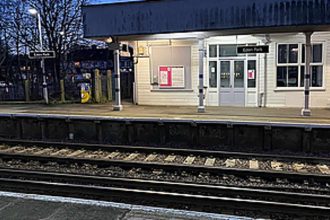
(251, 74)
(165, 76)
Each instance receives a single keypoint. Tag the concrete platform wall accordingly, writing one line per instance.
(232, 136)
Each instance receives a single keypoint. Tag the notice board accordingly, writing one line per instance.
(171, 76)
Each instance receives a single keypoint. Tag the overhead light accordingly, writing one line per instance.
(109, 40)
(62, 33)
(33, 11)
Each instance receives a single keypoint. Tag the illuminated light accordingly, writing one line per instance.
(141, 50)
(109, 40)
(33, 11)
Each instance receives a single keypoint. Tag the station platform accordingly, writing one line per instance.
(31, 206)
(243, 114)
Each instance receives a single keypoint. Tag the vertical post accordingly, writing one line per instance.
(27, 90)
(117, 106)
(44, 79)
(62, 90)
(109, 85)
(306, 110)
(201, 107)
(97, 79)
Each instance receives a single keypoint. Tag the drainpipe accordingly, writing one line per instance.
(201, 106)
(266, 42)
(117, 106)
(265, 79)
(306, 110)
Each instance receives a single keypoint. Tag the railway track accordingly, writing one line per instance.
(259, 203)
(292, 168)
(218, 198)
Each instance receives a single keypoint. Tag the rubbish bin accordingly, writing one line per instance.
(85, 92)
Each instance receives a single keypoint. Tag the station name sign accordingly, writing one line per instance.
(42, 55)
(253, 49)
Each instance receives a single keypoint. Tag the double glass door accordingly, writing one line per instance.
(232, 83)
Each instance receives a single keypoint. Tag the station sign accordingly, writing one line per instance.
(42, 55)
(253, 49)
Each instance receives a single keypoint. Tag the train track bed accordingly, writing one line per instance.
(294, 164)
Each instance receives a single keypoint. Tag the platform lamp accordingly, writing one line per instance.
(34, 12)
(114, 45)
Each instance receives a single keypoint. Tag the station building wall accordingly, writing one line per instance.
(147, 93)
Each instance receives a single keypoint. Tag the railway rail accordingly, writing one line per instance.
(193, 196)
(218, 197)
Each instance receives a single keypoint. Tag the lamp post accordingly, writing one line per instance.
(34, 12)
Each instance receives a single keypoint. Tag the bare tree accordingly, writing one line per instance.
(3, 25)
(61, 22)
(62, 25)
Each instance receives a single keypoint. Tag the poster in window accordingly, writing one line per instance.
(251, 74)
(171, 77)
(165, 76)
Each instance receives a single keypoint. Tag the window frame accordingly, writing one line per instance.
(300, 64)
(155, 86)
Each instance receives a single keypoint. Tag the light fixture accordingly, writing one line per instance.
(109, 40)
(62, 33)
(33, 11)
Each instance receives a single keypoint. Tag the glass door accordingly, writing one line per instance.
(232, 83)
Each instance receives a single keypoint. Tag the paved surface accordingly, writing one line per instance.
(32, 207)
(288, 115)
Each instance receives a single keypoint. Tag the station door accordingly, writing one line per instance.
(232, 83)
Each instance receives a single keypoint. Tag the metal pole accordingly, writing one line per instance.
(201, 107)
(306, 110)
(117, 106)
(44, 79)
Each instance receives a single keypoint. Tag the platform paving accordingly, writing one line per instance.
(285, 115)
(17, 206)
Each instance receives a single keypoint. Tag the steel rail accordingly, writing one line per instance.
(85, 190)
(169, 186)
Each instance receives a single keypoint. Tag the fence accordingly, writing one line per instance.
(12, 93)
(28, 90)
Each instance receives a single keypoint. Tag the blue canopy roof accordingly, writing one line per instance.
(97, 2)
(173, 16)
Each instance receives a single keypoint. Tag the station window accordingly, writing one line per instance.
(213, 51)
(252, 73)
(213, 74)
(171, 67)
(229, 50)
(291, 65)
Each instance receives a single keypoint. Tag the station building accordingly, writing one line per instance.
(186, 50)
